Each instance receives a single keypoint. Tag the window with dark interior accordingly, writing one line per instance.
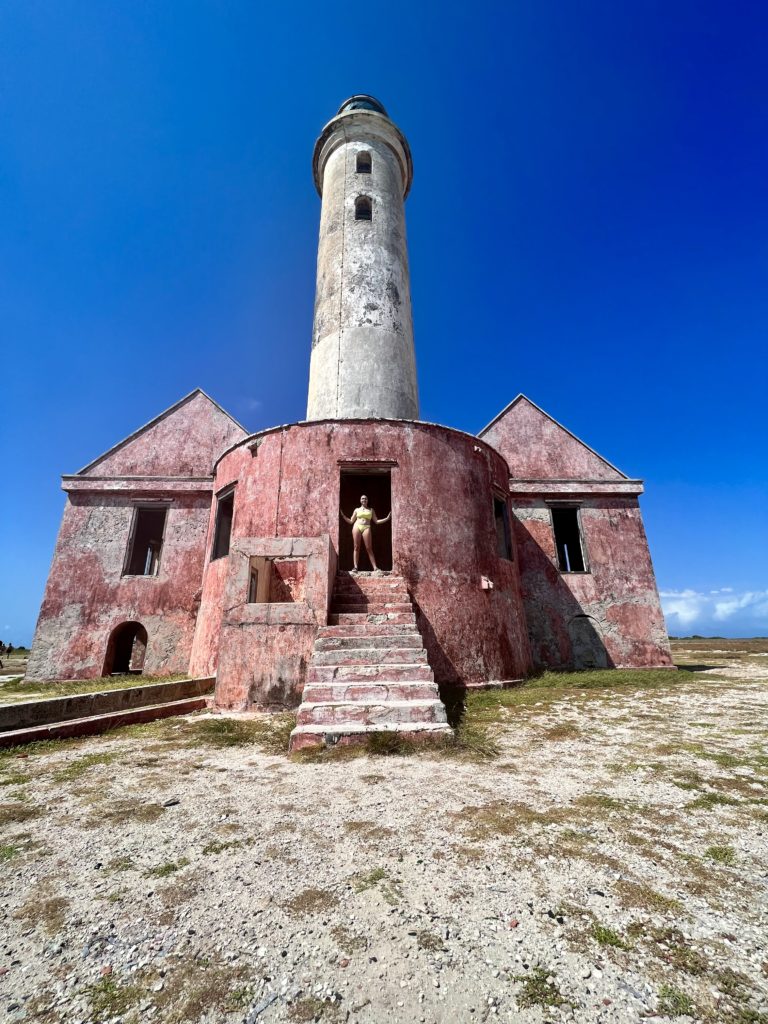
(363, 165)
(503, 531)
(225, 510)
(363, 208)
(570, 549)
(146, 541)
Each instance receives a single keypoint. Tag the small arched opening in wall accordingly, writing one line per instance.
(363, 208)
(363, 162)
(126, 650)
(587, 645)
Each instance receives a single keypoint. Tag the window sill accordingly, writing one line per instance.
(139, 576)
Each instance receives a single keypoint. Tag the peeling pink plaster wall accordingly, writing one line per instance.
(186, 442)
(86, 595)
(535, 446)
(444, 537)
(619, 591)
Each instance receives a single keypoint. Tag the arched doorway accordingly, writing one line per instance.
(587, 643)
(126, 649)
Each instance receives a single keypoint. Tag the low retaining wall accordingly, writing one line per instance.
(86, 705)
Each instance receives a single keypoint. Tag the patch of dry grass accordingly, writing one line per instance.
(15, 813)
(46, 911)
(311, 901)
(643, 897)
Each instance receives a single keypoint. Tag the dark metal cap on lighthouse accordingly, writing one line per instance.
(363, 110)
(363, 364)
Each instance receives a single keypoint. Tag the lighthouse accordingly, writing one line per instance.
(362, 364)
(192, 547)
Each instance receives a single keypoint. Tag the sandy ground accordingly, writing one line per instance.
(609, 865)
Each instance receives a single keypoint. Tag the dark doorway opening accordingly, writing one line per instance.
(126, 650)
(378, 486)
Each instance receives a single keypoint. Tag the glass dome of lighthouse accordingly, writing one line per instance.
(362, 101)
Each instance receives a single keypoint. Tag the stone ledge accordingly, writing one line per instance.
(32, 714)
(102, 723)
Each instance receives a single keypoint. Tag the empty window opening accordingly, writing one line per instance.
(570, 550)
(363, 164)
(277, 580)
(377, 485)
(225, 511)
(146, 542)
(126, 650)
(503, 530)
(363, 208)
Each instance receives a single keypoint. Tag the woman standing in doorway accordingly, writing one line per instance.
(363, 518)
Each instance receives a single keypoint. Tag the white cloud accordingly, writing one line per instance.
(741, 613)
(684, 605)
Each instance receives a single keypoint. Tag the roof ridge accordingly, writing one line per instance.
(557, 423)
(151, 423)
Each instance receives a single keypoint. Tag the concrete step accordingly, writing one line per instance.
(381, 630)
(369, 670)
(371, 607)
(101, 723)
(368, 673)
(354, 732)
(391, 712)
(377, 618)
(369, 693)
(371, 656)
(357, 641)
(387, 588)
(369, 579)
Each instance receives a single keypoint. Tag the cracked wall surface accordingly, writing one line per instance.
(169, 462)
(87, 595)
(618, 592)
(443, 531)
(362, 362)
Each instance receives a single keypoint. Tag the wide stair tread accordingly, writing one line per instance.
(369, 670)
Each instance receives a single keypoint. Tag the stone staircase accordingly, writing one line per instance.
(369, 671)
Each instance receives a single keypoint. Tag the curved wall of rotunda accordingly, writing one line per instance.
(287, 484)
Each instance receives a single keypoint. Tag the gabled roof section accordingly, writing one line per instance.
(184, 440)
(537, 447)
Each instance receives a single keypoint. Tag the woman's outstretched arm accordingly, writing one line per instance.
(381, 521)
(347, 519)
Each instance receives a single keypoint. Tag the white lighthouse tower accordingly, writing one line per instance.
(363, 363)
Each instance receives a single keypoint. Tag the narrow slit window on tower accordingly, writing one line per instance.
(568, 540)
(225, 510)
(363, 164)
(363, 208)
(146, 541)
(503, 531)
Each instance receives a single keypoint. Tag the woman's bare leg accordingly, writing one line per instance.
(368, 538)
(356, 535)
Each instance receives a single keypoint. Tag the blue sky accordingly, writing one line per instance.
(588, 225)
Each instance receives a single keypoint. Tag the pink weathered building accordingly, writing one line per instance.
(192, 546)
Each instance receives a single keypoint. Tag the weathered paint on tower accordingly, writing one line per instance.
(363, 363)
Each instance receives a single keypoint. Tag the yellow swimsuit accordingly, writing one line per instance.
(363, 518)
